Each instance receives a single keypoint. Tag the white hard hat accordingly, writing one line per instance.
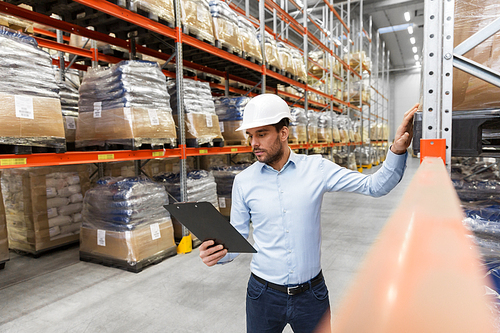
(265, 109)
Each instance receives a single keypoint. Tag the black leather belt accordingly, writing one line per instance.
(291, 290)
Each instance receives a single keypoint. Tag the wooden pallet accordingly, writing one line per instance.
(296, 142)
(141, 10)
(236, 143)
(196, 33)
(2, 264)
(135, 267)
(195, 143)
(224, 46)
(125, 144)
(28, 150)
(39, 253)
(251, 58)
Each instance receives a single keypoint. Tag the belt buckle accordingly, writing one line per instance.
(293, 290)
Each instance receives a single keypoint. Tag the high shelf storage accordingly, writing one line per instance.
(131, 31)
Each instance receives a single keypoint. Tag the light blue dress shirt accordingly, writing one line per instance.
(285, 208)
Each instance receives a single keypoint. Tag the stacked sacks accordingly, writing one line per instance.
(224, 177)
(201, 186)
(249, 43)
(157, 9)
(201, 121)
(312, 126)
(226, 30)
(230, 113)
(124, 222)
(286, 58)
(298, 126)
(127, 103)
(325, 127)
(299, 65)
(271, 50)
(197, 20)
(30, 109)
(43, 206)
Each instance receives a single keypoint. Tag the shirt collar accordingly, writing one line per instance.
(292, 160)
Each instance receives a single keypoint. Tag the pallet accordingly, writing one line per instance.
(153, 16)
(236, 143)
(367, 166)
(28, 150)
(296, 142)
(126, 144)
(2, 264)
(136, 267)
(194, 143)
(251, 58)
(274, 68)
(196, 33)
(39, 253)
(224, 46)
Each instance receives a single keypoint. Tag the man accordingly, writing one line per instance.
(281, 194)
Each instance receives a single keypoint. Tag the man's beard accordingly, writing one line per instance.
(276, 156)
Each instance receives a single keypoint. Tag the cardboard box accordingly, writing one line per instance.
(162, 9)
(70, 124)
(227, 32)
(469, 92)
(230, 133)
(225, 205)
(126, 123)
(37, 119)
(132, 246)
(26, 197)
(197, 126)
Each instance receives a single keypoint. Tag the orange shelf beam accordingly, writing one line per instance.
(49, 33)
(84, 157)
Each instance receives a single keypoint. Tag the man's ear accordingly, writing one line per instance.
(284, 134)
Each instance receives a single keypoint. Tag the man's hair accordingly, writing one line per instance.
(282, 123)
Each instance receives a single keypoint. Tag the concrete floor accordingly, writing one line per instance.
(58, 293)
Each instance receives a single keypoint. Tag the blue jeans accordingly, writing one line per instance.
(269, 310)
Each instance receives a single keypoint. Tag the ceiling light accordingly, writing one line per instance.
(394, 28)
(416, 57)
(414, 49)
(417, 63)
(412, 40)
(407, 16)
(410, 30)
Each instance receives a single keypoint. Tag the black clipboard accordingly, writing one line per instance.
(207, 223)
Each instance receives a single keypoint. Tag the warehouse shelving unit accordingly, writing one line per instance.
(166, 43)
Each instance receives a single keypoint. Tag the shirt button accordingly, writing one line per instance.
(289, 251)
(291, 271)
(288, 231)
(281, 191)
(284, 210)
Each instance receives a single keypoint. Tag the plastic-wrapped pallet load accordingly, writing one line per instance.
(271, 50)
(357, 58)
(286, 58)
(201, 121)
(224, 178)
(325, 127)
(30, 109)
(69, 106)
(477, 182)
(343, 129)
(201, 186)
(357, 131)
(298, 126)
(249, 43)
(126, 104)
(43, 206)
(125, 223)
(470, 92)
(197, 20)
(16, 24)
(300, 67)
(312, 126)
(157, 9)
(4, 242)
(317, 57)
(230, 113)
(226, 30)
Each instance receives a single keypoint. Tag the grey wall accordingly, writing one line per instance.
(405, 92)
